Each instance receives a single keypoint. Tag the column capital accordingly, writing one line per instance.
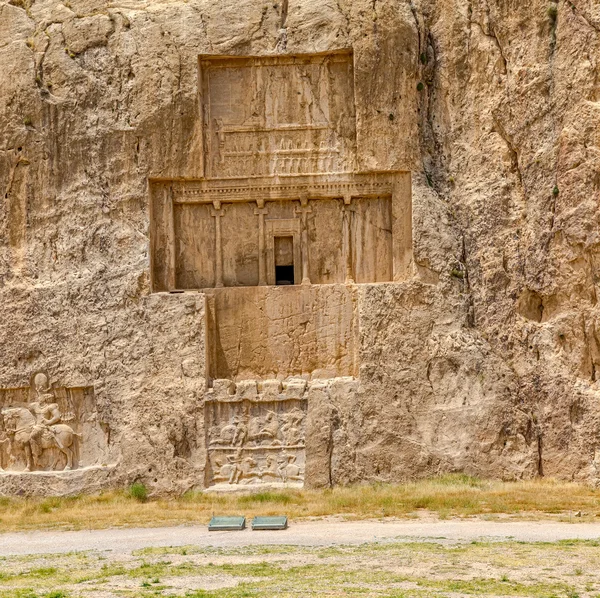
(303, 209)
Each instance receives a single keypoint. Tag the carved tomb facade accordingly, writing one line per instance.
(277, 234)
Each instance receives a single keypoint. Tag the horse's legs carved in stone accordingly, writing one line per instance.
(36, 453)
(2, 443)
(54, 460)
(69, 454)
(28, 458)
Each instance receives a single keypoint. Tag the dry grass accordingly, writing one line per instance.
(446, 496)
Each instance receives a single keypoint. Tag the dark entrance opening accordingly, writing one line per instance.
(284, 275)
(284, 260)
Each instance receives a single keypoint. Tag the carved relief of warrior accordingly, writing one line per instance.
(292, 428)
(270, 469)
(229, 432)
(236, 468)
(271, 425)
(223, 470)
(3, 442)
(214, 434)
(270, 430)
(46, 414)
(255, 427)
(249, 469)
(37, 428)
(292, 436)
(241, 433)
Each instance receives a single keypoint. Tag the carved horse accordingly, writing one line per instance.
(289, 471)
(236, 469)
(19, 423)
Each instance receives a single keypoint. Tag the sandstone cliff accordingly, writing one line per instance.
(487, 361)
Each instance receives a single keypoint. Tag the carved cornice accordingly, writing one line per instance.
(211, 61)
(315, 186)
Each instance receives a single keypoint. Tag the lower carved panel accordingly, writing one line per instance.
(255, 435)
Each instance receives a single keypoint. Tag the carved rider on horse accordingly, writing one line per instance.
(46, 414)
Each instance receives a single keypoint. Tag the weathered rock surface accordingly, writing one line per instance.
(486, 361)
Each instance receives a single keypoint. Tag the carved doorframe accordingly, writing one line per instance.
(289, 227)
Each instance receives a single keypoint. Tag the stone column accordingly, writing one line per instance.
(217, 212)
(304, 210)
(172, 246)
(261, 211)
(348, 211)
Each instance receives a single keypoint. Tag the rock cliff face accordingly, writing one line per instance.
(486, 361)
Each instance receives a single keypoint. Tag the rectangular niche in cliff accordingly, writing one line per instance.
(255, 433)
(335, 229)
(47, 428)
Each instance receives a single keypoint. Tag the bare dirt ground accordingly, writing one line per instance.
(389, 559)
(313, 533)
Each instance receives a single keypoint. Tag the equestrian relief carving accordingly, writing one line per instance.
(43, 428)
(254, 435)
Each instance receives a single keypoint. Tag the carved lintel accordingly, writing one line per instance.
(318, 186)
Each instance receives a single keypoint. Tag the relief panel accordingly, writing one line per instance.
(43, 428)
(278, 115)
(255, 435)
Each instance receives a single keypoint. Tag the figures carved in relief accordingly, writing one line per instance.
(41, 427)
(256, 441)
(282, 118)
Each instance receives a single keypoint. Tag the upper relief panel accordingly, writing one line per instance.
(281, 115)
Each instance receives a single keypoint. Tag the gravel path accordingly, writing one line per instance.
(314, 533)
